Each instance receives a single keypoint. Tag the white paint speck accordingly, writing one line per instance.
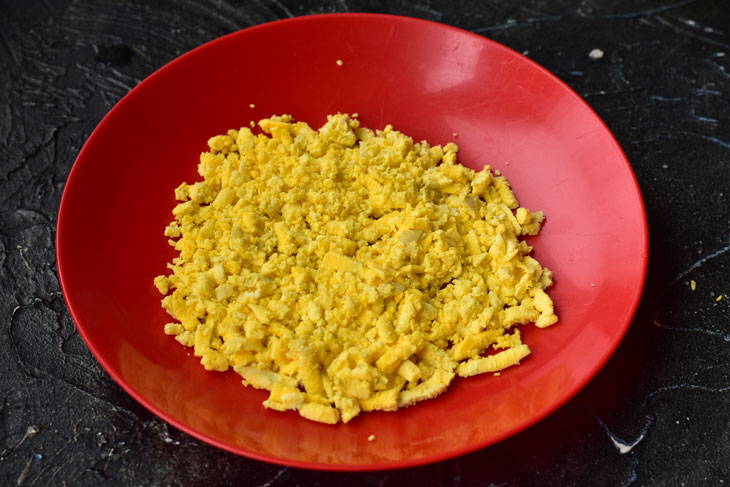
(622, 446)
(596, 54)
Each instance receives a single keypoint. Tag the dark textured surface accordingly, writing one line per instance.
(659, 412)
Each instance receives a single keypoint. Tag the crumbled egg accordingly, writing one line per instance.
(348, 270)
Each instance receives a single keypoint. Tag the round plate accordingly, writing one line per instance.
(430, 81)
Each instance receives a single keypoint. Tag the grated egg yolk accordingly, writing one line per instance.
(348, 270)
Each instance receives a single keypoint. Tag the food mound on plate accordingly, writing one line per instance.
(348, 270)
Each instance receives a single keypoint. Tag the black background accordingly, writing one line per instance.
(657, 414)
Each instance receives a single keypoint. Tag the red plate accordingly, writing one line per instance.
(430, 81)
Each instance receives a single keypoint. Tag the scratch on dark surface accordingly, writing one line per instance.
(662, 136)
(9, 48)
(665, 99)
(24, 473)
(165, 432)
(21, 252)
(715, 140)
(720, 68)
(278, 5)
(691, 34)
(58, 469)
(125, 82)
(454, 472)
(706, 119)
(118, 84)
(512, 23)
(423, 8)
(606, 92)
(383, 480)
(708, 92)
(33, 215)
(142, 53)
(30, 432)
(713, 333)
(647, 12)
(692, 267)
(107, 458)
(710, 30)
(623, 446)
(228, 15)
(6, 125)
(129, 22)
(634, 477)
(620, 72)
(281, 472)
(688, 387)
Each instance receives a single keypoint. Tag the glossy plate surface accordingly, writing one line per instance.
(428, 80)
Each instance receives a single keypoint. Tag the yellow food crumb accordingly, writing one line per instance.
(339, 62)
(348, 270)
(252, 105)
(162, 284)
(693, 285)
(371, 438)
(719, 298)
